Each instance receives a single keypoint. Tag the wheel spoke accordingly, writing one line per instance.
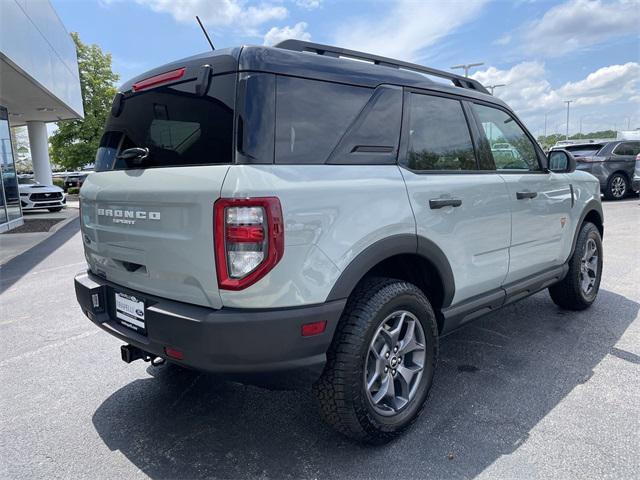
(406, 375)
(387, 391)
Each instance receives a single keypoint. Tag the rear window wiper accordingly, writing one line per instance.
(134, 156)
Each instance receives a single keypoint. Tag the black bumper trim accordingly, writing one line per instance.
(243, 341)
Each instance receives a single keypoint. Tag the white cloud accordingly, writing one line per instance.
(407, 28)
(308, 4)
(225, 13)
(276, 35)
(503, 40)
(579, 24)
(531, 95)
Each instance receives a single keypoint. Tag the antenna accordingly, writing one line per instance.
(205, 33)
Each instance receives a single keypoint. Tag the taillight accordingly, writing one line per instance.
(249, 239)
(158, 79)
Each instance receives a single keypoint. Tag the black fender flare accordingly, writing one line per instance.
(390, 247)
(592, 205)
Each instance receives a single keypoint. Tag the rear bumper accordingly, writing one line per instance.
(230, 341)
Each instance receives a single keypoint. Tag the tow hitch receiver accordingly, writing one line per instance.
(130, 353)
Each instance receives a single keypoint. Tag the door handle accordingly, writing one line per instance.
(523, 195)
(436, 203)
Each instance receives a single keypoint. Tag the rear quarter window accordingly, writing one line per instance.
(312, 116)
(627, 149)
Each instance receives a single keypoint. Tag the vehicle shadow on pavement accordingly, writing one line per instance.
(18, 266)
(497, 379)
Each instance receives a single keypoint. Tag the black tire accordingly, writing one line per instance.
(341, 392)
(617, 187)
(569, 293)
(56, 209)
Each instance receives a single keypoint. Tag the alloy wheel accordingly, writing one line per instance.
(589, 267)
(618, 187)
(395, 363)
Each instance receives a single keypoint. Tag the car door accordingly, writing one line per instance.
(539, 200)
(463, 211)
(623, 159)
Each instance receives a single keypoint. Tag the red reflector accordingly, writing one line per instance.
(315, 328)
(157, 79)
(242, 234)
(173, 353)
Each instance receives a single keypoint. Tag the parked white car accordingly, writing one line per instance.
(34, 196)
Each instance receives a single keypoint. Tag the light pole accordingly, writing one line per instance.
(568, 102)
(545, 124)
(466, 67)
(493, 87)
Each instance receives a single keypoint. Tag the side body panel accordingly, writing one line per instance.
(474, 236)
(609, 162)
(540, 227)
(331, 213)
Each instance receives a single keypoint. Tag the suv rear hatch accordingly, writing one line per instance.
(147, 220)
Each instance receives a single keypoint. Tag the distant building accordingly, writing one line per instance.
(39, 83)
(629, 135)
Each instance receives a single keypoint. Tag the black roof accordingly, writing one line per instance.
(323, 62)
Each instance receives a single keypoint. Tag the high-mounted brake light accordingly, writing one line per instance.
(158, 79)
(248, 239)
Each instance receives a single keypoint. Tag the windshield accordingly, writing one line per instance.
(27, 181)
(177, 126)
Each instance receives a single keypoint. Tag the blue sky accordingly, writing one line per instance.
(545, 51)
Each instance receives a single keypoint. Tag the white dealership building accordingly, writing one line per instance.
(39, 83)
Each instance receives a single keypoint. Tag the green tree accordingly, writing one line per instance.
(76, 141)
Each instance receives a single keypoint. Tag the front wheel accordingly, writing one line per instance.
(579, 288)
(381, 363)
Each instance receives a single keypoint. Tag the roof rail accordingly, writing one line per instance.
(329, 51)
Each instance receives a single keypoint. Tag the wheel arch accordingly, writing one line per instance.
(406, 257)
(591, 213)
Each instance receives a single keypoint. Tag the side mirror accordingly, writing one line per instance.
(561, 161)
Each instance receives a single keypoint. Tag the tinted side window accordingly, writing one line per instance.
(439, 137)
(627, 148)
(256, 106)
(372, 139)
(312, 116)
(511, 147)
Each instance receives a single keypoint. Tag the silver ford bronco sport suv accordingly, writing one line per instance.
(290, 213)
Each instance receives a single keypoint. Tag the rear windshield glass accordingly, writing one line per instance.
(177, 127)
(584, 150)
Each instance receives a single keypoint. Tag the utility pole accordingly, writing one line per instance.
(466, 67)
(493, 87)
(545, 125)
(568, 102)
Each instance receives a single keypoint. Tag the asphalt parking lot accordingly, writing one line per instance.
(530, 391)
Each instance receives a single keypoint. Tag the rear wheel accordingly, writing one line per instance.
(381, 363)
(578, 290)
(617, 187)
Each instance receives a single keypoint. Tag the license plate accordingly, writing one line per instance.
(130, 312)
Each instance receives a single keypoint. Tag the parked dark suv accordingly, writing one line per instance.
(612, 163)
